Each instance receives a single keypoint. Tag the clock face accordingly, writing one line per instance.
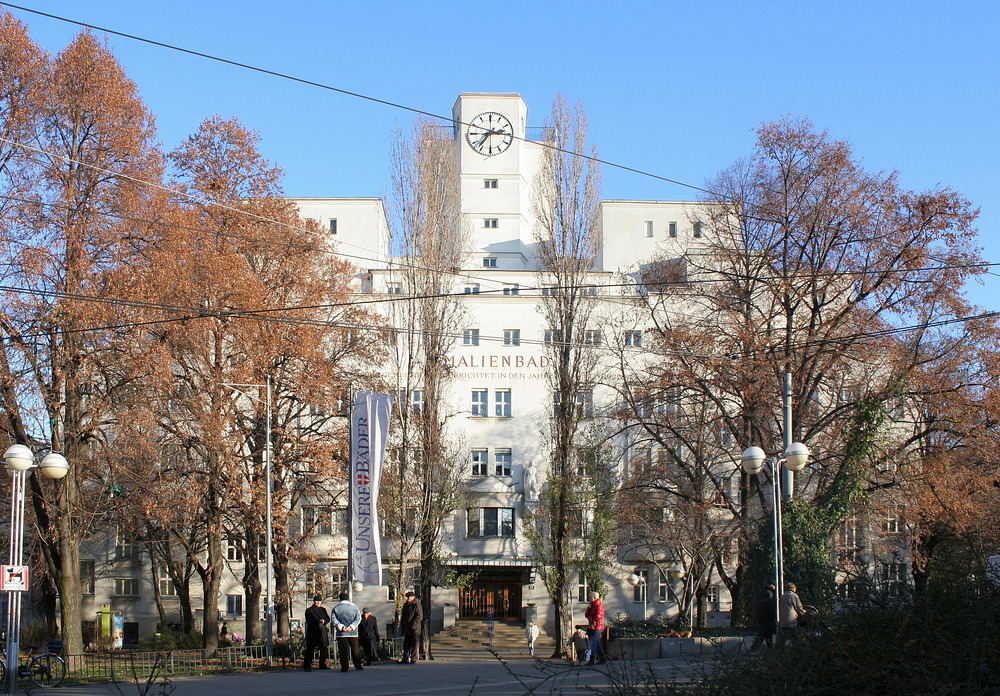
(490, 133)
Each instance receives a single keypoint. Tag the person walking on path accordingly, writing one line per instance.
(346, 619)
(368, 635)
(411, 619)
(531, 633)
(595, 627)
(317, 635)
(789, 610)
(765, 605)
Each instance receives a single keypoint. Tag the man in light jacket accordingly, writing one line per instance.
(346, 618)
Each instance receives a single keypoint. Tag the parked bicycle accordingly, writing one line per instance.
(43, 669)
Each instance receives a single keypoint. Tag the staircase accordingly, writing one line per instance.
(469, 640)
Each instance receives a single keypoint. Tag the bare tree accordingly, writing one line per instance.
(566, 207)
(430, 239)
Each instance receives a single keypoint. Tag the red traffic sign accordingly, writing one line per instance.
(13, 578)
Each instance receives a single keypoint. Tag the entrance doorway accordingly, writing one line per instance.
(501, 598)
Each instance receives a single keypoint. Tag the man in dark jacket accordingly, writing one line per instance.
(765, 605)
(368, 636)
(317, 635)
(412, 618)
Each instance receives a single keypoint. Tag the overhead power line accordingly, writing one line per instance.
(345, 92)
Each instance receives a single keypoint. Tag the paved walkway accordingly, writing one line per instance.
(435, 678)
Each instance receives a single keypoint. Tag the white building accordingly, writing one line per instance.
(499, 385)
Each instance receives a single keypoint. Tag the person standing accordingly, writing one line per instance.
(531, 633)
(317, 635)
(595, 627)
(346, 619)
(368, 635)
(789, 610)
(765, 606)
(412, 618)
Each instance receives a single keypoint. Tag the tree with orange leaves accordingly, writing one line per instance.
(78, 149)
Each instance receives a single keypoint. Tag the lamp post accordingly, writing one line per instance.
(753, 461)
(20, 460)
(269, 610)
(634, 579)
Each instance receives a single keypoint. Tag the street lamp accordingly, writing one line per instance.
(634, 580)
(753, 461)
(20, 460)
(267, 504)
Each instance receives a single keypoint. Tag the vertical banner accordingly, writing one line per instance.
(369, 431)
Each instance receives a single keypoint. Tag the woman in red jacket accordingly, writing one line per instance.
(595, 617)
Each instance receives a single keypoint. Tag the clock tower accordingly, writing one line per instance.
(497, 165)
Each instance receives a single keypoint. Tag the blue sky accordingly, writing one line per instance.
(673, 88)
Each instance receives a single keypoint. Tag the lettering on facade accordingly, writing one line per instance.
(520, 366)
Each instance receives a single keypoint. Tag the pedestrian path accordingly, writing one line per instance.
(434, 678)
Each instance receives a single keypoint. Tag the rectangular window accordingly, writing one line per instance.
(87, 577)
(479, 458)
(553, 336)
(511, 289)
(491, 223)
(333, 225)
(639, 591)
(490, 183)
(512, 337)
(470, 337)
(338, 519)
(662, 589)
(550, 291)
(581, 587)
(501, 399)
(592, 337)
(648, 227)
(417, 401)
(167, 587)
(125, 549)
(893, 521)
(672, 229)
(894, 578)
(490, 522)
(480, 402)
(394, 288)
(126, 587)
(502, 460)
(712, 594)
(585, 404)
(633, 339)
(234, 552)
(472, 289)
(697, 230)
(316, 520)
(234, 606)
(490, 262)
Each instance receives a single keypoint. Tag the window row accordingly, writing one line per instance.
(648, 229)
(590, 337)
(481, 461)
(501, 403)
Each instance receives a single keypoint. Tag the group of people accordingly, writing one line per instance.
(356, 632)
(786, 610)
(586, 644)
